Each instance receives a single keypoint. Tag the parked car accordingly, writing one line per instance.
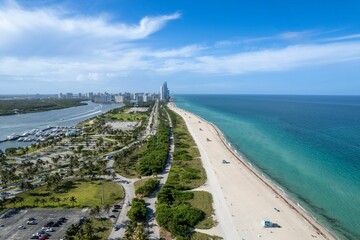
(117, 227)
(21, 227)
(32, 222)
(112, 216)
(49, 224)
(50, 230)
(1, 225)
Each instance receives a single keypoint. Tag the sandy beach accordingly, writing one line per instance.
(243, 198)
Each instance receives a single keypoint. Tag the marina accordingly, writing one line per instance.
(25, 129)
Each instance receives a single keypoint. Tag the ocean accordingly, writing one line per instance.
(307, 145)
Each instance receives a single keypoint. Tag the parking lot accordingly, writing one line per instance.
(10, 230)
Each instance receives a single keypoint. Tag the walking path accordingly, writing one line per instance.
(154, 230)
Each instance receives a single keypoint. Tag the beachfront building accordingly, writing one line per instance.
(119, 99)
(164, 93)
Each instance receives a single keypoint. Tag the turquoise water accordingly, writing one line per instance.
(309, 145)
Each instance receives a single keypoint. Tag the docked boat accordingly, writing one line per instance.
(12, 137)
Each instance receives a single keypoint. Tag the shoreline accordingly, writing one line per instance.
(261, 178)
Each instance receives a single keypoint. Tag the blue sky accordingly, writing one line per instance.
(258, 46)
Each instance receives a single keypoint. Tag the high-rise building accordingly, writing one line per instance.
(164, 93)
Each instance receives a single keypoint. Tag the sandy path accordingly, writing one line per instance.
(242, 197)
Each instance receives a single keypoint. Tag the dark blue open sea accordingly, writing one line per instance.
(309, 145)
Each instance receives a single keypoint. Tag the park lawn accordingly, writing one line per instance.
(87, 194)
(203, 236)
(128, 116)
(203, 201)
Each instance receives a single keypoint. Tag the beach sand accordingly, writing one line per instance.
(243, 198)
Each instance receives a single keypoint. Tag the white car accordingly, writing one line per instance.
(1, 225)
(21, 227)
(49, 230)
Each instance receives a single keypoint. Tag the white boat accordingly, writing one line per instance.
(12, 137)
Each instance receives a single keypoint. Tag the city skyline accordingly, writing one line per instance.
(297, 47)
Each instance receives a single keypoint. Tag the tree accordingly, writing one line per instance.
(95, 211)
(57, 200)
(43, 201)
(107, 208)
(2, 155)
(52, 199)
(20, 200)
(72, 200)
(89, 230)
(138, 210)
(36, 201)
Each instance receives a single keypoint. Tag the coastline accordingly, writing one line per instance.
(303, 225)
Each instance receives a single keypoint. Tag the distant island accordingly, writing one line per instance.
(20, 106)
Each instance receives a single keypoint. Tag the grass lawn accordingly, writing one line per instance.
(140, 183)
(87, 194)
(203, 236)
(203, 200)
(127, 116)
(102, 228)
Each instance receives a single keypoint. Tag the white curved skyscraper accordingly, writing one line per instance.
(164, 92)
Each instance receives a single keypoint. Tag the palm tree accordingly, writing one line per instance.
(20, 200)
(57, 200)
(2, 203)
(36, 201)
(73, 200)
(52, 199)
(43, 201)
(95, 211)
(107, 208)
(89, 230)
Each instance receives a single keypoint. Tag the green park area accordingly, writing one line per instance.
(70, 194)
(9, 107)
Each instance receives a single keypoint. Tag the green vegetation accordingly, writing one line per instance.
(180, 211)
(135, 230)
(91, 229)
(203, 236)
(186, 171)
(9, 107)
(147, 158)
(137, 214)
(148, 187)
(137, 211)
(203, 200)
(70, 194)
(127, 117)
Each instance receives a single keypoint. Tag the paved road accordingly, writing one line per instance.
(154, 230)
(128, 184)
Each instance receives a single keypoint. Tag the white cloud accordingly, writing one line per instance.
(48, 44)
(269, 60)
(342, 38)
(51, 31)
